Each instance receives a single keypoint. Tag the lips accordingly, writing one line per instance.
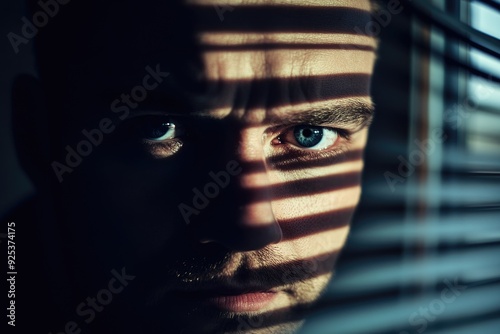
(231, 300)
(245, 302)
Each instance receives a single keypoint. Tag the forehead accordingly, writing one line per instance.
(261, 44)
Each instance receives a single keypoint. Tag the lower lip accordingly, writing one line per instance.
(247, 302)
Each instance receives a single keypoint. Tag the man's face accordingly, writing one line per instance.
(227, 191)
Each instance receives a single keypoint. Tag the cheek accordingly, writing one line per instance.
(317, 225)
(315, 215)
(316, 204)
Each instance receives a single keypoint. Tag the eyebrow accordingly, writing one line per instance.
(352, 112)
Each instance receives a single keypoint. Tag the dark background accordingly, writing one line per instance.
(13, 183)
(382, 278)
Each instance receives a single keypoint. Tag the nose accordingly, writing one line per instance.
(241, 217)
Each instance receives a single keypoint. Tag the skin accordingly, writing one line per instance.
(283, 219)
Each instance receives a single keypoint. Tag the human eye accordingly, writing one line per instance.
(158, 129)
(161, 136)
(310, 137)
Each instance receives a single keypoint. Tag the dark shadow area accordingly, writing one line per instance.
(283, 18)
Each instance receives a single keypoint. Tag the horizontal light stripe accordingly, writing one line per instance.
(371, 275)
(359, 4)
(233, 38)
(262, 179)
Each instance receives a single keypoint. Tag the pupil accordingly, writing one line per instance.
(160, 130)
(308, 136)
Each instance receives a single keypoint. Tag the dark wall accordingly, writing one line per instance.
(14, 185)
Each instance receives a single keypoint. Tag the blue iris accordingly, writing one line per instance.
(308, 136)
